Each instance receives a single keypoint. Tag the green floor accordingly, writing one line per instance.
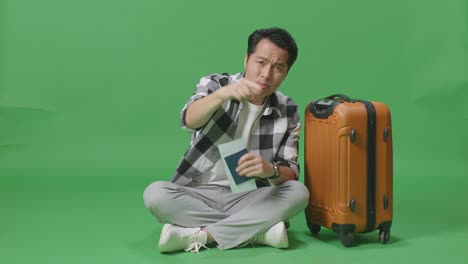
(90, 96)
(97, 216)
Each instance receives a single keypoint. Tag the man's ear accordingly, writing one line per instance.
(246, 58)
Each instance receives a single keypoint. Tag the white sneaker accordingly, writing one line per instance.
(175, 238)
(276, 236)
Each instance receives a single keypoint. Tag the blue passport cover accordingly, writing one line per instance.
(232, 161)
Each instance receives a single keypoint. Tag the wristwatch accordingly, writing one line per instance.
(276, 175)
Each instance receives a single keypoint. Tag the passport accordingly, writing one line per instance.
(232, 161)
(230, 153)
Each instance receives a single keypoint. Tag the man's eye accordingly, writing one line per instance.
(261, 62)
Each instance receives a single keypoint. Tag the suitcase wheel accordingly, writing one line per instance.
(347, 239)
(384, 236)
(315, 229)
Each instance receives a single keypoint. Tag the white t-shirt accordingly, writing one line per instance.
(247, 117)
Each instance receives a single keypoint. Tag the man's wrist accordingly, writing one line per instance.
(276, 172)
(221, 94)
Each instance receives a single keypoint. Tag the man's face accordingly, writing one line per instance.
(267, 66)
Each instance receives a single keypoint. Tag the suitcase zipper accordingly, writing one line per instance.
(371, 163)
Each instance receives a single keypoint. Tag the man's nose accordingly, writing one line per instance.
(266, 72)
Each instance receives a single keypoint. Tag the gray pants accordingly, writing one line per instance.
(231, 218)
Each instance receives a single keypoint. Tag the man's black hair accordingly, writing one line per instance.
(279, 36)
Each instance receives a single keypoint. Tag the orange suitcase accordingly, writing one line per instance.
(349, 167)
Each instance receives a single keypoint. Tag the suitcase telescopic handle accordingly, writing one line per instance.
(323, 108)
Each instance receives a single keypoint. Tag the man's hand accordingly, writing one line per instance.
(253, 165)
(242, 89)
(200, 111)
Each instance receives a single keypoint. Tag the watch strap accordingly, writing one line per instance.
(276, 175)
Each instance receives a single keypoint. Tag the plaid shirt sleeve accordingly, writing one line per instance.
(205, 86)
(287, 154)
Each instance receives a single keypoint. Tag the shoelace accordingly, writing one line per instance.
(250, 242)
(195, 247)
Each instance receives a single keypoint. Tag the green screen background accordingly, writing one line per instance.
(90, 95)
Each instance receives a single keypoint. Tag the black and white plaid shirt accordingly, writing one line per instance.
(275, 135)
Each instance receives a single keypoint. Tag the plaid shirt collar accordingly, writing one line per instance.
(273, 105)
